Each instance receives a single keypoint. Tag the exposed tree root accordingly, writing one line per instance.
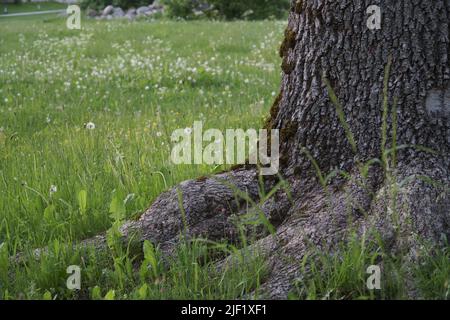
(314, 216)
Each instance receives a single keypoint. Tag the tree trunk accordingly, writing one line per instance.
(404, 196)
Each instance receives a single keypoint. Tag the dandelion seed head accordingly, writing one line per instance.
(90, 126)
(53, 189)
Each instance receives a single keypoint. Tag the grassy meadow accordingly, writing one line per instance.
(136, 82)
(85, 124)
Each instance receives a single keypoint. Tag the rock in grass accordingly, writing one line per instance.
(142, 10)
(108, 10)
(131, 11)
(131, 14)
(118, 12)
(91, 13)
(156, 6)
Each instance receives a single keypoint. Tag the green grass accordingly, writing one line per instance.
(137, 82)
(344, 274)
(31, 7)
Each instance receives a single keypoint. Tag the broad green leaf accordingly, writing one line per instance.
(143, 291)
(117, 209)
(47, 296)
(96, 293)
(111, 295)
(48, 213)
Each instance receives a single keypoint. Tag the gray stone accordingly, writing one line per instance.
(108, 10)
(142, 10)
(131, 11)
(118, 12)
(91, 13)
(156, 6)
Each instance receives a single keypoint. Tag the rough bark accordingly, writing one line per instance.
(330, 39)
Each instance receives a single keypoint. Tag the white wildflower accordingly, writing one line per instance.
(53, 189)
(90, 126)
